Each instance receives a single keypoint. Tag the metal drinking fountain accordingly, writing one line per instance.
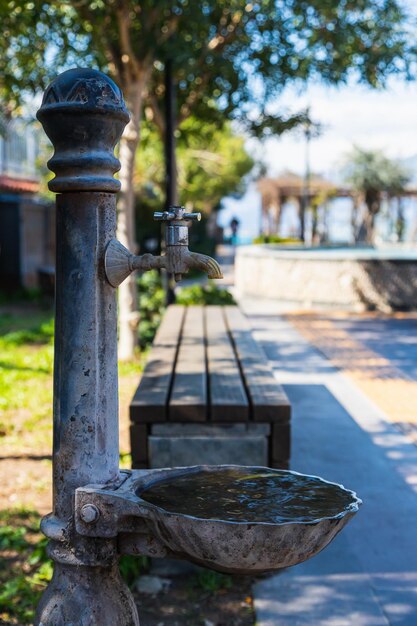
(99, 511)
(178, 260)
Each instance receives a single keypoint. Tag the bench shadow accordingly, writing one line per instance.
(23, 368)
(368, 574)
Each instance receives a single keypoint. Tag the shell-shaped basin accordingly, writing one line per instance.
(243, 519)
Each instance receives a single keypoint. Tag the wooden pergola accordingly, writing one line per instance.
(275, 192)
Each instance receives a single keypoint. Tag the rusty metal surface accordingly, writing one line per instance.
(178, 260)
(85, 371)
(83, 114)
(84, 596)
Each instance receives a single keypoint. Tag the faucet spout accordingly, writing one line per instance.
(204, 263)
(119, 262)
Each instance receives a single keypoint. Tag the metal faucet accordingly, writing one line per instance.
(178, 260)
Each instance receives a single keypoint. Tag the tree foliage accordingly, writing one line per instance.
(37, 39)
(236, 61)
(212, 163)
(231, 56)
(370, 171)
(232, 60)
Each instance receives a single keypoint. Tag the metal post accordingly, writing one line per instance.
(170, 124)
(171, 189)
(305, 200)
(83, 114)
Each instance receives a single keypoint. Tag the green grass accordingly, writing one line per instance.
(26, 365)
(26, 361)
(24, 567)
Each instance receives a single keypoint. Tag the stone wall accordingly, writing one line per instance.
(309, 279)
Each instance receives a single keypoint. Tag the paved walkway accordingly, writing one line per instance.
(378, 353)
(368, 575)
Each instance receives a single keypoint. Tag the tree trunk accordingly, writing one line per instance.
(277, 218)
(128, 315)
(373, 205)
(369, 223)
(366, 230)
(354, 218)
(400, 222)
(315, 225)
(301, 217)
(171, 186)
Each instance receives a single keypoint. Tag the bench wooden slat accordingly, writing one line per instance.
(269, 402)
(150, 401)
(228, 400)
(188, 402)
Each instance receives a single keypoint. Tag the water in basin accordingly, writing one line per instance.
(269, 496)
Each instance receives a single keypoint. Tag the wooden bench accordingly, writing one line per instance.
(206, 369)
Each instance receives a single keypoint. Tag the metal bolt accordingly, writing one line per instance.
(89, 513)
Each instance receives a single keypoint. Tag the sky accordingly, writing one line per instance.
(350, 115)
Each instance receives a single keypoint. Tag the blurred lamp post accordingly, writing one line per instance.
(171, 189)
(170, 123)
(311, 130)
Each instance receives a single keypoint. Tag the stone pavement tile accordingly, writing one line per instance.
(343, 600)
(328, 442)
(397, 593)
(378, 376)
(394, 337)
(368, 575)
(356, 579)
(292, 357)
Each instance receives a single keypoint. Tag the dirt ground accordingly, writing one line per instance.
(184, 605)
(31, 467)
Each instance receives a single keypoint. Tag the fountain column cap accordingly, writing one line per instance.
(84, 114)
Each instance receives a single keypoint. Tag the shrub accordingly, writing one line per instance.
(210, 581)
(276, 239)
(204, 294)
(25, 568)
(151, 306)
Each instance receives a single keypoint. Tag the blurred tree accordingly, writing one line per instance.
(317, 202)
(373, 175)
(212, 163)
(232, 59)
